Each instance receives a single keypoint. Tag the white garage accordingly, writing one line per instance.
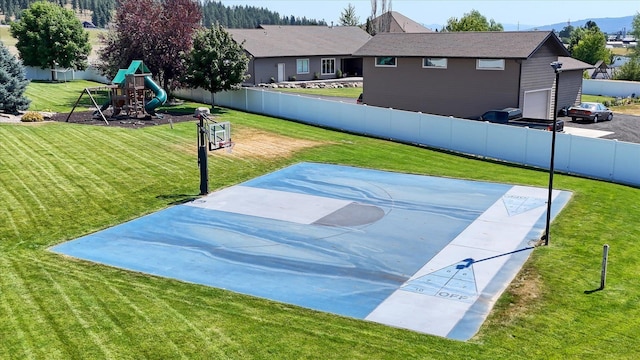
(537, 104)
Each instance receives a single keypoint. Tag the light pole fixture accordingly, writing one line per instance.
(556, 65)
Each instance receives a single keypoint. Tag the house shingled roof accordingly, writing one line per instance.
(400, 23)
(295, 40)
(569, 63)
(465, 44)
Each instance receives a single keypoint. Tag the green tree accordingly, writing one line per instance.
(589, 44)
(49, 35)
(12, 82)
(635, 31)
(629, 71)
(635, 25)
(592, 48)
(216, 63)
(368, 27)
(348, 16)
(565, 33)
(472, 21)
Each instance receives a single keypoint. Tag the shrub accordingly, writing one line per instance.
(292, 78)
(316, 76)
(32, 116)
(339, 74)
(272, 80)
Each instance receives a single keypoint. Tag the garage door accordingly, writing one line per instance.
(537, 104)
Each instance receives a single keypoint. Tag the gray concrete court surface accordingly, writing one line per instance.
(422, 253)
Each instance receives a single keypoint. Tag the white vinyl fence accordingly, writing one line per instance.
(616, 88)
(610, 160)
(91, 73)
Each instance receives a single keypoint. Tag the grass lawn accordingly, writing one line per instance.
(59, 181)
(61, 96)
(8, 40)
(343, 92)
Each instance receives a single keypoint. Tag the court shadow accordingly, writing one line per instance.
(594, 290)
(177, 199)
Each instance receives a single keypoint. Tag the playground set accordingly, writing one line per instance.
(131, 94)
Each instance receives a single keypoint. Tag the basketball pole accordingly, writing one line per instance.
(556, 65)
(202, 156)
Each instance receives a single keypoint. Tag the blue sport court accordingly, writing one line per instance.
(417, 252)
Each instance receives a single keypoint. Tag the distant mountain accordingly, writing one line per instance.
(606, 25)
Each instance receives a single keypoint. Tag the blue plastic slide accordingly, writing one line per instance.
(159, 100)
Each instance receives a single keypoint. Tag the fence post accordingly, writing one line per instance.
(605, 259)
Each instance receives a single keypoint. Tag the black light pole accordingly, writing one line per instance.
(556, 65)
(202, 157)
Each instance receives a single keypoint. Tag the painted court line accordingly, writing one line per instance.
(440, 294)
(270, 204)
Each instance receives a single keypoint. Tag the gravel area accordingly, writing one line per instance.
(624, 127)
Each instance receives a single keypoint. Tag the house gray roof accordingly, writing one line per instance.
(465, 44)
(569, 63)
(294, 40)
(397, 22)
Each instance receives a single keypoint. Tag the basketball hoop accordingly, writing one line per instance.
(220, 135)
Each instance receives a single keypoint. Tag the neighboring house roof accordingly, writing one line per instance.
(398, 23)
(569, 63)
(464, 44)
(295, 40)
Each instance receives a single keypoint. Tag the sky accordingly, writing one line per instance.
(530, 12)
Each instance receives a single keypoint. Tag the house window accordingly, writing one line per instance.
(303, 66)
(328, 66)
(388, 61)
(490, 64)
(438, 63)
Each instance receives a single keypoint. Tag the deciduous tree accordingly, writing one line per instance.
(49, 35)
(216, 63)
(12, 82)
(565, 33)
(630, 70)
(589, 44)
(591, 48)
(158, 33)
(472, 21)
(635, 31)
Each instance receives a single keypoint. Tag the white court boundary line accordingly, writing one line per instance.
(495, 232)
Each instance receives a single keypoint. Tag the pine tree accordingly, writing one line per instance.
(13, 83)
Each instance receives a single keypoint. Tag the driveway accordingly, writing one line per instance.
(622, 127)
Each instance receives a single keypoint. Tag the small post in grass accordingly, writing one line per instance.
(605, 259)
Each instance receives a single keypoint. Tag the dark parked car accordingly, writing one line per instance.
(590, 111)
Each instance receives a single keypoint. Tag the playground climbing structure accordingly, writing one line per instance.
(132, 93)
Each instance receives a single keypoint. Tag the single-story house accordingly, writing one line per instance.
(282, 53)
(464, 74)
